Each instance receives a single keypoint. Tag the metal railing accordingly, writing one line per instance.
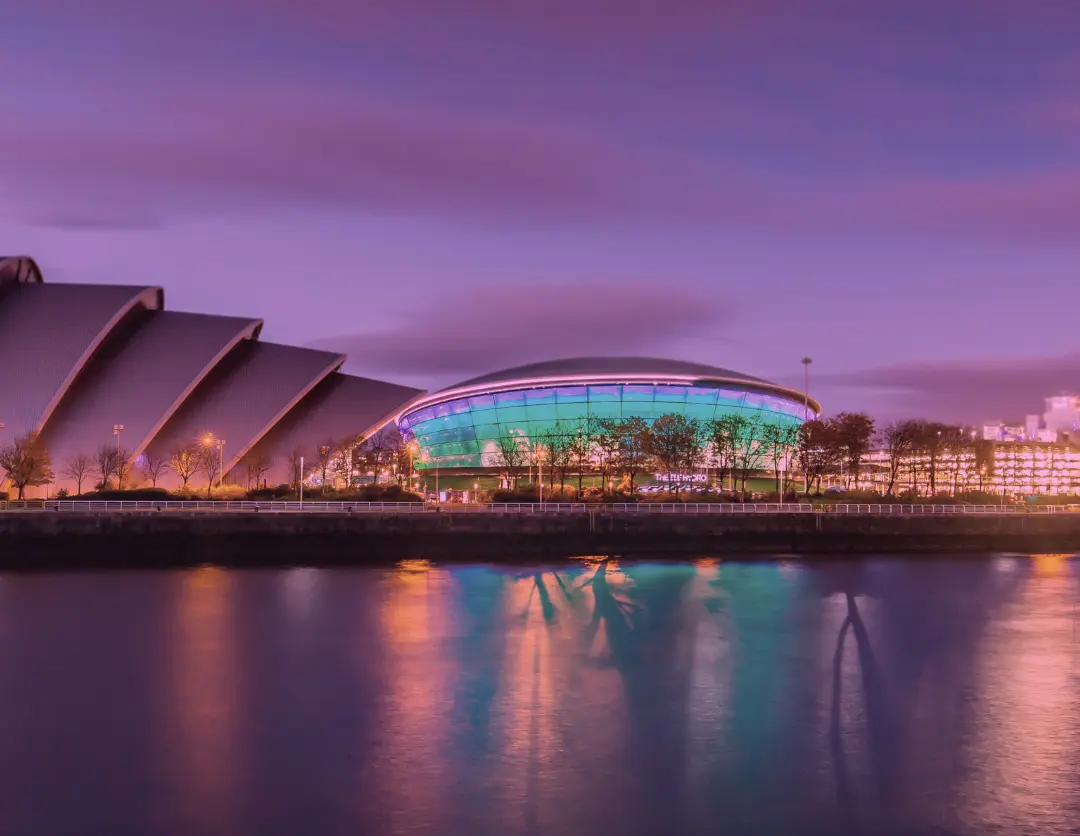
(729, 508)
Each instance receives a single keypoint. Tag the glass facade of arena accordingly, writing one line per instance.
(463, 432)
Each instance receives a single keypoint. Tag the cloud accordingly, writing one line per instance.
(481, 328)
(82, 219)
(1041, 206)
(317, 148)
(1001, 388)
(743, 113)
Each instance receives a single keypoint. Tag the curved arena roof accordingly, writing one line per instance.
(606, 366)
(77, 359)
(469, 425)
(578, 370)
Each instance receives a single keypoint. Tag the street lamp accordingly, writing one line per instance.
(117, 429)
(210, 441)
(413, 450)
(540, 472)
(427, 458)
(806, 361)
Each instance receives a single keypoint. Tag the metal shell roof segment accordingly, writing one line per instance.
(19, 268)
(341, 406)
(48, 332)
(578, 370)
(141, 382)
(242, 399)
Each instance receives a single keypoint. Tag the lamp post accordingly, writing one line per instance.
(117, 429)
(806, 361)
(540, 473)
(429, 458)
(210, 441)
(300, 479)
(413, 449)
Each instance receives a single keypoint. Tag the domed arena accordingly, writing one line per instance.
(463, 426)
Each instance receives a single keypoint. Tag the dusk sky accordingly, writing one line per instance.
(447, 187)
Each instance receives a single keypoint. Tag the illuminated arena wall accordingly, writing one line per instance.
(460, 426)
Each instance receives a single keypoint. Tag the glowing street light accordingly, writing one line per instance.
(413, 449)
(210, 441)
(427, 459)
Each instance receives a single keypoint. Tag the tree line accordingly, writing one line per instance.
(27, 463)
(925, 455)
(734, 446)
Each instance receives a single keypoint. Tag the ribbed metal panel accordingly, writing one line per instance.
(341, 406)
(19, 268)
(245, 396)
(48, 332)
(140, 382)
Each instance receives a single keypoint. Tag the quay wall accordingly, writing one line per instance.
(44, 539)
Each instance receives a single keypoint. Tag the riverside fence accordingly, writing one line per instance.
(727, 508)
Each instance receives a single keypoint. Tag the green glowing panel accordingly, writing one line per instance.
(465, 432)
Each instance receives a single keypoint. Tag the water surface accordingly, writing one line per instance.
(878, 696)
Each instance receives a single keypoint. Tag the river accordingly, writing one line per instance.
(876, 696)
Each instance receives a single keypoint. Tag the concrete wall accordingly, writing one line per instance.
(47, 539)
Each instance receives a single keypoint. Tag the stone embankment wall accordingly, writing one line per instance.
(50, 539)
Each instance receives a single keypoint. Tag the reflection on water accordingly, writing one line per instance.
(591, 695)
(201, 740)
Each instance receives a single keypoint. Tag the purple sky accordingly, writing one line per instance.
(444, 188)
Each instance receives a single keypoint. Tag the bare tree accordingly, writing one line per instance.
(511, 457)
(632, 438)
(256, 465)
(934, 442)
(326, 452)
(210, 465)
(344, 462)
(898, 441)
(605, 453)
(983, 459)
(676, 444)
(750, 447)
(78, 468)
(721, 435)
(105, 464)
(579, 442)
(154, 466)
(185, 462)
(819, 450)
(26, 463)
(853, 432)
(295, 460)
(122, 467)
(559, 458)
(780, 441)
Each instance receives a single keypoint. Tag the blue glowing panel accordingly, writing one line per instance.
(465, 432)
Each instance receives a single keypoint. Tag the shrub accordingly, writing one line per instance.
(134, 495)
(276, 492)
